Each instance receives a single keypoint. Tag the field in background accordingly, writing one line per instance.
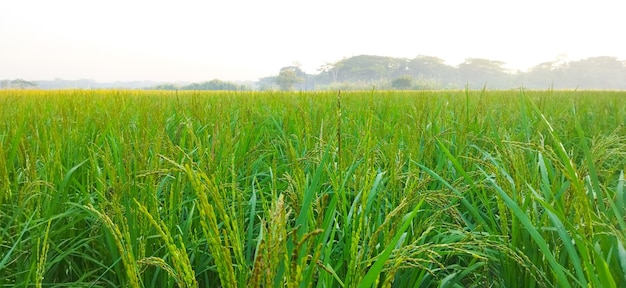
(251, 189)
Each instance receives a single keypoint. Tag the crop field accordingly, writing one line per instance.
(312, 189)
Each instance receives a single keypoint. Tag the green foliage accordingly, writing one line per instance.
(288, 77)
(165, 87)
(366, 70)
(214, 85)
(270, 189)
(17, 84)
(402, 83)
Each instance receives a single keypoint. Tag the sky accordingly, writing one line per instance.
(185, 40)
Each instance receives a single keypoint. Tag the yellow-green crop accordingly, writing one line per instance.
(266, 189)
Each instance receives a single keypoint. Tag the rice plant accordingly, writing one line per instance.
(312, 189)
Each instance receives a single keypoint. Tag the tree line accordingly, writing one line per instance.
(428, 72)
(92, 84)
(214, 84)
(17, 84)
(420, 73)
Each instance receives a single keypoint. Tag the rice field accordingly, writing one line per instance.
(312, 189)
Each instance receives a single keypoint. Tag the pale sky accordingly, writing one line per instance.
(247, 39)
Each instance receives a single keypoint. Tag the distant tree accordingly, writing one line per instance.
(602, 72)
(165, 87)
(544, 75)
(207, 85)
(216, 84)
(288, 77)
(427, 72)
(4, 84)
(22, 84)
(402, 83)
(430, 67)
(266, 83)
(477, 72)
(366, 68)
(329, 71)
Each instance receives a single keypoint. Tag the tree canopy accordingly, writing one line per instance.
(428, 72)
(214, 84)
(17, 84)
(289, 77)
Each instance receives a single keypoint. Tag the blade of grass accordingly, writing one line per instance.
(557, 269)
(18, 241)
(470, 207)
(593, 174)
(372, 274)
(563, 234)
(251, 217)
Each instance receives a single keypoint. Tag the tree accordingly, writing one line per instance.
(214, 84)
(544, 75)
(329, 70)
(266, 83)
(165, 87)
(602, 72)
(478, 72)
(365, 68)
(288, 77)
(402, 83)
(431, 72)
(429, 66)
(22, 84)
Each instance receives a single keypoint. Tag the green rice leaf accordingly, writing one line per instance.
(557, 269)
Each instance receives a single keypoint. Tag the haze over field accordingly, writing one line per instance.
(246, 40)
